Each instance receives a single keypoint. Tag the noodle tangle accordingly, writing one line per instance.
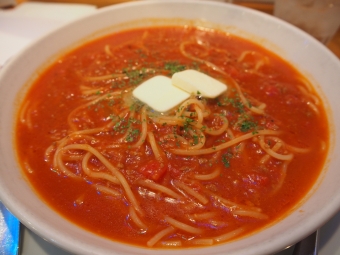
(190, 125)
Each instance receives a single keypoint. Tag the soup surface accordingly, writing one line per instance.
(206, 172)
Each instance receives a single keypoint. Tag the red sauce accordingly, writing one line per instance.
(292, 108)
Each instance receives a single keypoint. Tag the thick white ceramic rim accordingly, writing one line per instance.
(308, 55)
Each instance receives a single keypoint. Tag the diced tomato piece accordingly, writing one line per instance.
(257, 180)
(292, 99)
(174, 171)
(272, 90)
(233, 72)
(271, 125)
(153, 169)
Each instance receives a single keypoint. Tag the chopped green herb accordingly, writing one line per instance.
(118, 84)
(196, 139)
(187, 123)
(111, 102)
(247, 125)
(123, 125)
(203, 128)
(235, 102)
(221, 140)
(141, 53)
(195, 65)
(135, 76)
(136, 106)
(225, 159)
(132, 135)
(174, 67)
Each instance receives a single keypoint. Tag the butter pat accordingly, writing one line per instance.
(195, 82)
(159, 93)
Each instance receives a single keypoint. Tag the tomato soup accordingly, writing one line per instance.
(205, 172)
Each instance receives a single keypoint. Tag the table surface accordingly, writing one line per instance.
(33, 243)
(333, 45)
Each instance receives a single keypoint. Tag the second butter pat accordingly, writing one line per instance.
(195, 82)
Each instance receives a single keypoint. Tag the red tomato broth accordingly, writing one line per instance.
(57, 91)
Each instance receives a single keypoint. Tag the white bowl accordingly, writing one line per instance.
(305, 53)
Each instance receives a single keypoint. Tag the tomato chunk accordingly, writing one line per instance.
(153, 169)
